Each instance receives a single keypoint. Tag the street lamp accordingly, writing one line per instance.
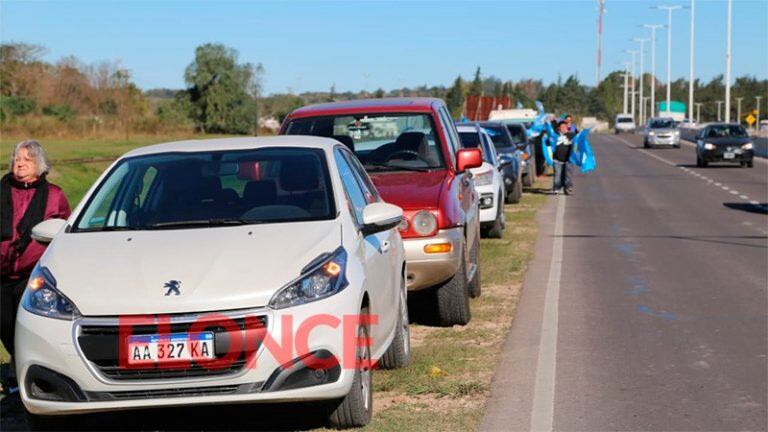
(632, 110)
(642, 78)
(653, 28)
(626, 85)
(719, 104)
(757, 122)
(690, 71)
(728, 66)
(669, 10)
(698, 112)
(644, 100)
(738, 109)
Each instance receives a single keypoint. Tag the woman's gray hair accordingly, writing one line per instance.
(36, 152)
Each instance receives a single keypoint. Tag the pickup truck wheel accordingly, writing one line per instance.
(517, 193)
(530, 178)
(453, 299)
(399, 352)
(356, 408)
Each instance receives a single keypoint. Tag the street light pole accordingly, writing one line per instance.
(690, 72)
(653, 28)
(642, 77)
(698, 112)
(669, 10)
(719, 104)
(728, 66)
(632, 104)
(626, 85)
(757, 122)
(738, 109)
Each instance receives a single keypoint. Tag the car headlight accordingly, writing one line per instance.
(42, 298)
(424, 223)
(676, 132)
(747, 146)
(484, 178)
(322, 278)
(709, 146)
(651, 133)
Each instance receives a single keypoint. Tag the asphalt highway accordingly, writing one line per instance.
(645, 307)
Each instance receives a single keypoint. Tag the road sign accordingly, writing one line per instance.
(750, 119)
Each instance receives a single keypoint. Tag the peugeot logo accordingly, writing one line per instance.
(172, 286)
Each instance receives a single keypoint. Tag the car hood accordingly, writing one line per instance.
(728, 141)
(223, 268)
(410, 190)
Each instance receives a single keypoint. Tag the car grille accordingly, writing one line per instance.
(100, 345)
(175, 392)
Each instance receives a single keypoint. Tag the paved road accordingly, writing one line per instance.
(646, 305)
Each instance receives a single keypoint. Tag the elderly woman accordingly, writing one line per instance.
(26, 199)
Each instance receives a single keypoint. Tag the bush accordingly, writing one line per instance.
(13, 106)
(62, 112)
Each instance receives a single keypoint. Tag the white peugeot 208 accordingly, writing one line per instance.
(214, 271)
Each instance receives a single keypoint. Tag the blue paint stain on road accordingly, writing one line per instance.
(638, 286)
(625, 248)
(668, 316)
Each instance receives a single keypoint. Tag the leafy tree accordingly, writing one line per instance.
(476, 88)
(222, 91)
(379, 93)
(455, 99)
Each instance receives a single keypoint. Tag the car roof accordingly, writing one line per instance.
(382, 105)
(238, 143)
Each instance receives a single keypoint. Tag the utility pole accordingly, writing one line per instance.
(600, 12)
(757, 122)
(642, 77)
(728, 65)
(626, 86)
(719, 104)
(669, 10)
(698, 112)
(645, 100)
(653, 28)
(632, 104)
(691, 81)
(738, 109)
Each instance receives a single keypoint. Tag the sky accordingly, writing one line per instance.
(356, 45)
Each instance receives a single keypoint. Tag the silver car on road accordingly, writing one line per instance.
(661, 131)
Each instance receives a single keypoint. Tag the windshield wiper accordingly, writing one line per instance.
(390, 167)
(201, 222)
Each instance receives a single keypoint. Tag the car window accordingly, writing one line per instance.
(489, 150)
(517, 132)
(499, 135)
(371, 194)
(267, 185)
(395, 141)
(354, 192)
(723, 131)
(454, 143)
(470, 139)
(662, 124)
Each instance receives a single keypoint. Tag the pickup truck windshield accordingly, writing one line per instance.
(216, 188)
(392, 142)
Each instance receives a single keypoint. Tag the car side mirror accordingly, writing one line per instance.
(380, 216)
(468, 158)
(46, 230)
(504, 161)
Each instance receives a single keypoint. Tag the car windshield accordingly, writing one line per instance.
(624, 120)
(177, 190)
(472, 140)
(395, 142)
(723, 131)
(662, 124)
(518, 133)
(499, 135)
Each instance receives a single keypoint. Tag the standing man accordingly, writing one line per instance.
(560, 156)
(26, 200)
(571, 126)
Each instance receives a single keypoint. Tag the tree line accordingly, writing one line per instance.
(223, 95)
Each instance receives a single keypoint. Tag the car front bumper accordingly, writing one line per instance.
(429, 269)
(53, 345)
(719, 155)
(673, 140)
(489, 202)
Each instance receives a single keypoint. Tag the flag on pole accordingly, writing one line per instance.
(581, 153)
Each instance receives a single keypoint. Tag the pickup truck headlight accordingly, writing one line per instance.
(709, 146)
(322, 278)
(424, 223)
(747, 146)
(42, 298)
(484, 178)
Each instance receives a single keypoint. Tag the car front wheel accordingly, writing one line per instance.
(356, 408)
(399, 352)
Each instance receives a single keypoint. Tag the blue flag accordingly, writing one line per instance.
(581, 153)
(539, 107)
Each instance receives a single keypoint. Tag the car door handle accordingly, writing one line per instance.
(384, 246)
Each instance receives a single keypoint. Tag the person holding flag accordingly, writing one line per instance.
(561, 154)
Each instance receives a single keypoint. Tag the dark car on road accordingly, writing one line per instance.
(510, 153)
(528, 149)
(724, 142)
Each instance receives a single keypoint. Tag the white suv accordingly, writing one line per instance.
(215, 271)
(624, 123)
(488, 181)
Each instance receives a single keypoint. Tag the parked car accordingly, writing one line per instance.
(624, 123)
(512, 156)
(528, 151)
(184, 257)
(660, 131)
(724, 142)
(411, 150)
(487, 178)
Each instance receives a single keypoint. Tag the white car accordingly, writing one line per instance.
(624, 123)
(488, 180)
(215, 271)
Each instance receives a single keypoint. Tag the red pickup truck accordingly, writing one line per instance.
(410, 149)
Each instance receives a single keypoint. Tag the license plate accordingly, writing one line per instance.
(728, 155)
(144, 349)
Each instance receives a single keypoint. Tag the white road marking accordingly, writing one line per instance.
(718, 184)
(744, 197)
(543, 409)
(725, 188)
(733, 192)
(753, 202)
